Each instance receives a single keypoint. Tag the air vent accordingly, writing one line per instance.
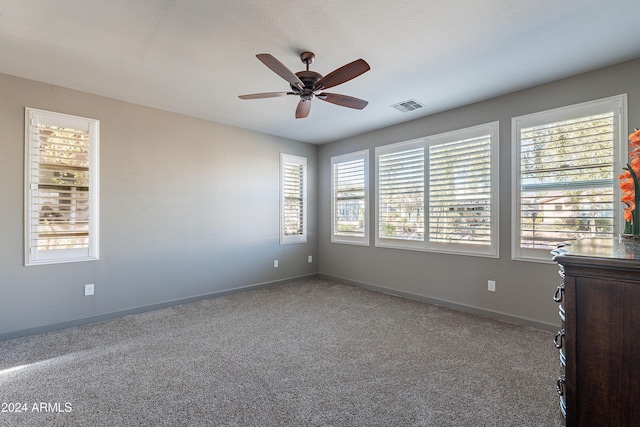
(408, 105)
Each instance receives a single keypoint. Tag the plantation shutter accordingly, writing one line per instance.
(567, 180)
(401, 184)
(60, 218)
(460, 191)
(294, 204)
(293, 198)
(349, 198)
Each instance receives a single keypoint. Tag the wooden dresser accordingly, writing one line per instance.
(599, 339)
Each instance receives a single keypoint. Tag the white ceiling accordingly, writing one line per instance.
(195, 57)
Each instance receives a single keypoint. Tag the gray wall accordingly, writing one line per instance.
(190, 208)
(187, 208)
(524, 289)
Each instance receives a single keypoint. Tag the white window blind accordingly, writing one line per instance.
(293, 199)
(460, 191)
(440, 193)
(61, 188)
(567, 177)
(350, 198)
(400, 185)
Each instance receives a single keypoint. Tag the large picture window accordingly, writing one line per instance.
(350, 198)
(566, 163)
(439, 193)
(61, 194)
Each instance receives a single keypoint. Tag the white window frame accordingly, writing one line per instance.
(301, 237)
(33, 255)
(492, 131)
(489, 250)
(348, 158)
(615, 104)
(401, 147)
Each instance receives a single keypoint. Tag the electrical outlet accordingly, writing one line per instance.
(310, 258)
(88, 290)
(275, 263)
(491, 285)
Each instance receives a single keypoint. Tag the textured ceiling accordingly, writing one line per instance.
(196, 56)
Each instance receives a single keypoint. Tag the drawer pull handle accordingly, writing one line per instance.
(557, 297)
(559, 339)
(563, 407)
(560, 385)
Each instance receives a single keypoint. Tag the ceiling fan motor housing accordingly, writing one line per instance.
(309, 79)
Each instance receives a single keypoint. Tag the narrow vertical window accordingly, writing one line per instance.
(293, 212)
(350, 198)
(567, 163)
(463, 172)
(61, 202)
(401, 189)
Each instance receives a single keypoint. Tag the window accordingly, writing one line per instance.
(463, 180)
(400, 185)
(293, 199)
(61, 194)
(566, 163)
(439, 193)
(350, 198)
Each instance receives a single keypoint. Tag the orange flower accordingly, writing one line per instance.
(628, 215)
(627, 198)
(627, 180)
(626, 187)
(632, 206)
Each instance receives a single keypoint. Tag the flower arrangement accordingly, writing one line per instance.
(630, 188)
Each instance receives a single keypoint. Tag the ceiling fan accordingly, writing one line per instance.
(309, 84)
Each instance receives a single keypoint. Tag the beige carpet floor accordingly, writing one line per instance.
(306, 353)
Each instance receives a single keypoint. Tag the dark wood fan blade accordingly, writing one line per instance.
(265, 95)
(303, 109)
(280, 69)
(343, 100)
(343, 74)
